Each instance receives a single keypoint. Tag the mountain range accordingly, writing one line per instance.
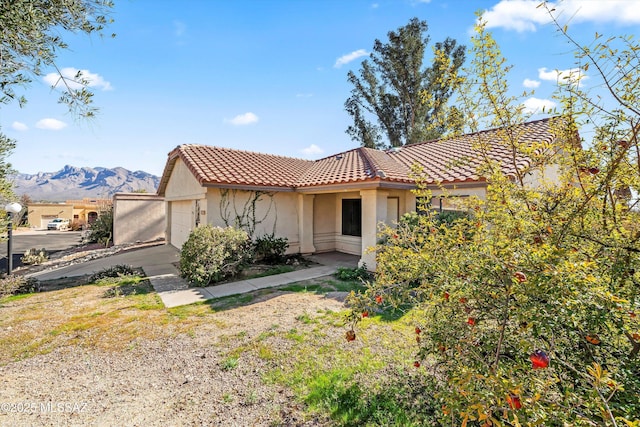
(74, 183)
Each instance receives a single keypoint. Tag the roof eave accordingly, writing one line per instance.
(248, 187)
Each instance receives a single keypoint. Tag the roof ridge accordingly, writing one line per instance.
(369, 164)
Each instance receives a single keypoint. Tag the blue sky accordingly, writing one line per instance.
(263, 75)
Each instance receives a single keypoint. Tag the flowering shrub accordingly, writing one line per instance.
(527, 308)
(212, 254)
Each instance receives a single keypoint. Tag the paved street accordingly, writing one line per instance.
(52, 241)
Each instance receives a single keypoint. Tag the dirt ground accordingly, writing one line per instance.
(77, 354)
(171, 368)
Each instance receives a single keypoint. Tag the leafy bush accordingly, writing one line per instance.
(116, 271)
(270, 249)
(34, 256)
(212, 254)
(16, 285)
(353, 274)
(527, 312)
(101, 231)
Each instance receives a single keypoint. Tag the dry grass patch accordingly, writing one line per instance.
(107, 316)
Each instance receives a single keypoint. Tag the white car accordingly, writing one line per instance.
(58, 224)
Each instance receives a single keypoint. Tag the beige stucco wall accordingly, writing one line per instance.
(275, 212)
(182, 184)
(138, 217)
(38, 214)
(324, 222)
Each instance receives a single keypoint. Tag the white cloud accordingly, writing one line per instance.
(524, 15)
(19, 126)
(530, 84)
(568, 76)
(243, 119)
(536, 105)
(517, 15)
(312, 150)
(51, 124)
(345, 59)
(76, 78)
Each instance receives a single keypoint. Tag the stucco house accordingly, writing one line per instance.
(331, 204)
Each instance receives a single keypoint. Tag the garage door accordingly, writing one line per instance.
(181, 222)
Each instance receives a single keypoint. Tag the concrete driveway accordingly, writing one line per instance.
(158, 259)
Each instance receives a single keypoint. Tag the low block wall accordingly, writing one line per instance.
(138, 217)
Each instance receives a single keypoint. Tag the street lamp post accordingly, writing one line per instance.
(12, 209)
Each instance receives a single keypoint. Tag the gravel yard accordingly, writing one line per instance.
(74, 357)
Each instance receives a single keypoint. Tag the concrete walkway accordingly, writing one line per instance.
(158, 264)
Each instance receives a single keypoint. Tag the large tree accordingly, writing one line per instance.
(407, 100)
(31, 40)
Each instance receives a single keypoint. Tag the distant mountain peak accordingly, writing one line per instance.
(72, 183)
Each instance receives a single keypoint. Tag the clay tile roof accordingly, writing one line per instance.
(451, 160)
(359, 164)
(215, 165)
(457, 159)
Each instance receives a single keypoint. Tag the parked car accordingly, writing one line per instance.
(58, 224)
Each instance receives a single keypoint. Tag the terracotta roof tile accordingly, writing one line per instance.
(457, 159)
(448, 161)
(215, 165)
(359, 164)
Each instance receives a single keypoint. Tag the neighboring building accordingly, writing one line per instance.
(331, 204)
(81, 212)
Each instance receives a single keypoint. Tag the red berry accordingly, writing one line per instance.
(350, 335)
(365, 314)
(418, 330)
(539, 359)
(593, 339)
(379, 299)
(416, 364)
(446, 296)
(514, 401)
(471, 321)
(463, 300)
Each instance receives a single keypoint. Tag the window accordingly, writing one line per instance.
(352, 217)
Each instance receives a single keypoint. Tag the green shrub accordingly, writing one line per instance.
(212, 254)
(270, 249)
(353, 274)
(115, 271)
(16, 285)
(34, 256)
(101, 231)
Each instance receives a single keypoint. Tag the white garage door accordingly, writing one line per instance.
(182, 222)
